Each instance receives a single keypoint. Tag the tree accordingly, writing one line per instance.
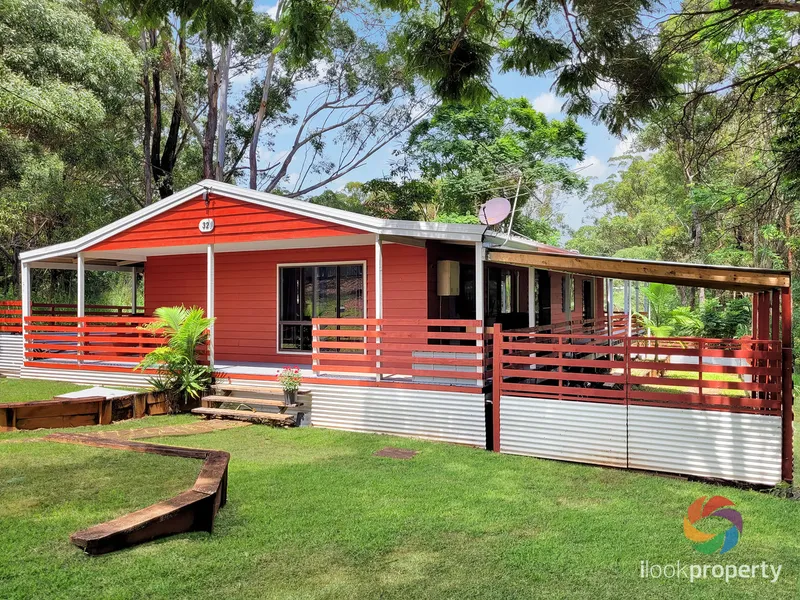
(359, 95)
(586, 45)
(65, 135)
(476, 152)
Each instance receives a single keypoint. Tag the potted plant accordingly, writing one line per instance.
(290, 378)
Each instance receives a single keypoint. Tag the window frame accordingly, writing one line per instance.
(278, 306)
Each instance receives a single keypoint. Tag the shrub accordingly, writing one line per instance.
(179, 372)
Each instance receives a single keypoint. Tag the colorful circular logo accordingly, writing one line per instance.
(709, 543)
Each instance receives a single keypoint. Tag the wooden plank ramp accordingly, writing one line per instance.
(191, 510)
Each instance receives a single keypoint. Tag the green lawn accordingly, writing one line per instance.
(28, 390)
(313, 514)
(689, 375)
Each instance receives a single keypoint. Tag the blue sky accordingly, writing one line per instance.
(600, 144)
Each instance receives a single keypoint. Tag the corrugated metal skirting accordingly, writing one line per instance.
(590, 432)
(443, 416)
(104, 378)
(10, 354)
(714, 444)
(735, 446)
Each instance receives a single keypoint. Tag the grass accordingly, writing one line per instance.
(31, 390)
(313, 514)
(690, 375)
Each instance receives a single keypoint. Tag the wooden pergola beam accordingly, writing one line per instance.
(704, 276)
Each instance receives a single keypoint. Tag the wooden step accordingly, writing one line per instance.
(255, 389)
(245, 415)
(250, 401)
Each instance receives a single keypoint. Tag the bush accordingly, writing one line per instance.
(186, 330)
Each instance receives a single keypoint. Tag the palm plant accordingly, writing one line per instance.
(178, 370)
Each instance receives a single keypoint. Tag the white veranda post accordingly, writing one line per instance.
(479, 295)
(378, 296)
(26, 295)
(628, 311)
(479, 281)
(210, 299)
(531, 297)
(81, 301)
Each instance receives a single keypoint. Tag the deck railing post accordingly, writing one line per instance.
(378, 349)
(700, 344)
(378, 303)
(497, 382)
(787, 415)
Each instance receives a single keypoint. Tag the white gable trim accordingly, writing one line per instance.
(414, 229)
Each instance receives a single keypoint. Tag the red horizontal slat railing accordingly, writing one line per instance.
(51, 339)
(417, 352)
(668, 372)
(11, 312)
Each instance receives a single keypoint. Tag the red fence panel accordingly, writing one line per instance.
(11, 312)
(413, 351)
(692, 373)
(98, 339)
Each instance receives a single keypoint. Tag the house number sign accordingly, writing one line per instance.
(206, 225)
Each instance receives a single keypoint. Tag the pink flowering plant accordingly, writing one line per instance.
(290, 378)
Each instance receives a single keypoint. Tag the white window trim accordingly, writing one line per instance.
(326, 263)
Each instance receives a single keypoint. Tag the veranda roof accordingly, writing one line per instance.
(743, 279)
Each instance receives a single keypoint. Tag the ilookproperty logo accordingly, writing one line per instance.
(710, 543)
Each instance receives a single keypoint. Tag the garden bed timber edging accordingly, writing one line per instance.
(77, 412)
(191, 510)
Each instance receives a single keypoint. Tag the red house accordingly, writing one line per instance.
(397, 326)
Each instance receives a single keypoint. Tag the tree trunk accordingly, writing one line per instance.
(148, 126)
(170, 154)
(222, 122)
(155, 146)
(212, 81)
(262, 107)
(259, 119)
(789, 257)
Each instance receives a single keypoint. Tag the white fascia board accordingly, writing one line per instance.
(117, 226)
(414, 229)
(498, 241)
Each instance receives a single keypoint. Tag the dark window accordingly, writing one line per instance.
(588, 299)
(329, 291)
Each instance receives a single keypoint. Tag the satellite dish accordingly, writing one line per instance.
(494, 211)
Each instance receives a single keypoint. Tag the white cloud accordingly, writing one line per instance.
(591, 166)
(272, 11)
(623, 147)
(547, 103)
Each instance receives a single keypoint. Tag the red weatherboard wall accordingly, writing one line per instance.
(234, 220)
(247, 284)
